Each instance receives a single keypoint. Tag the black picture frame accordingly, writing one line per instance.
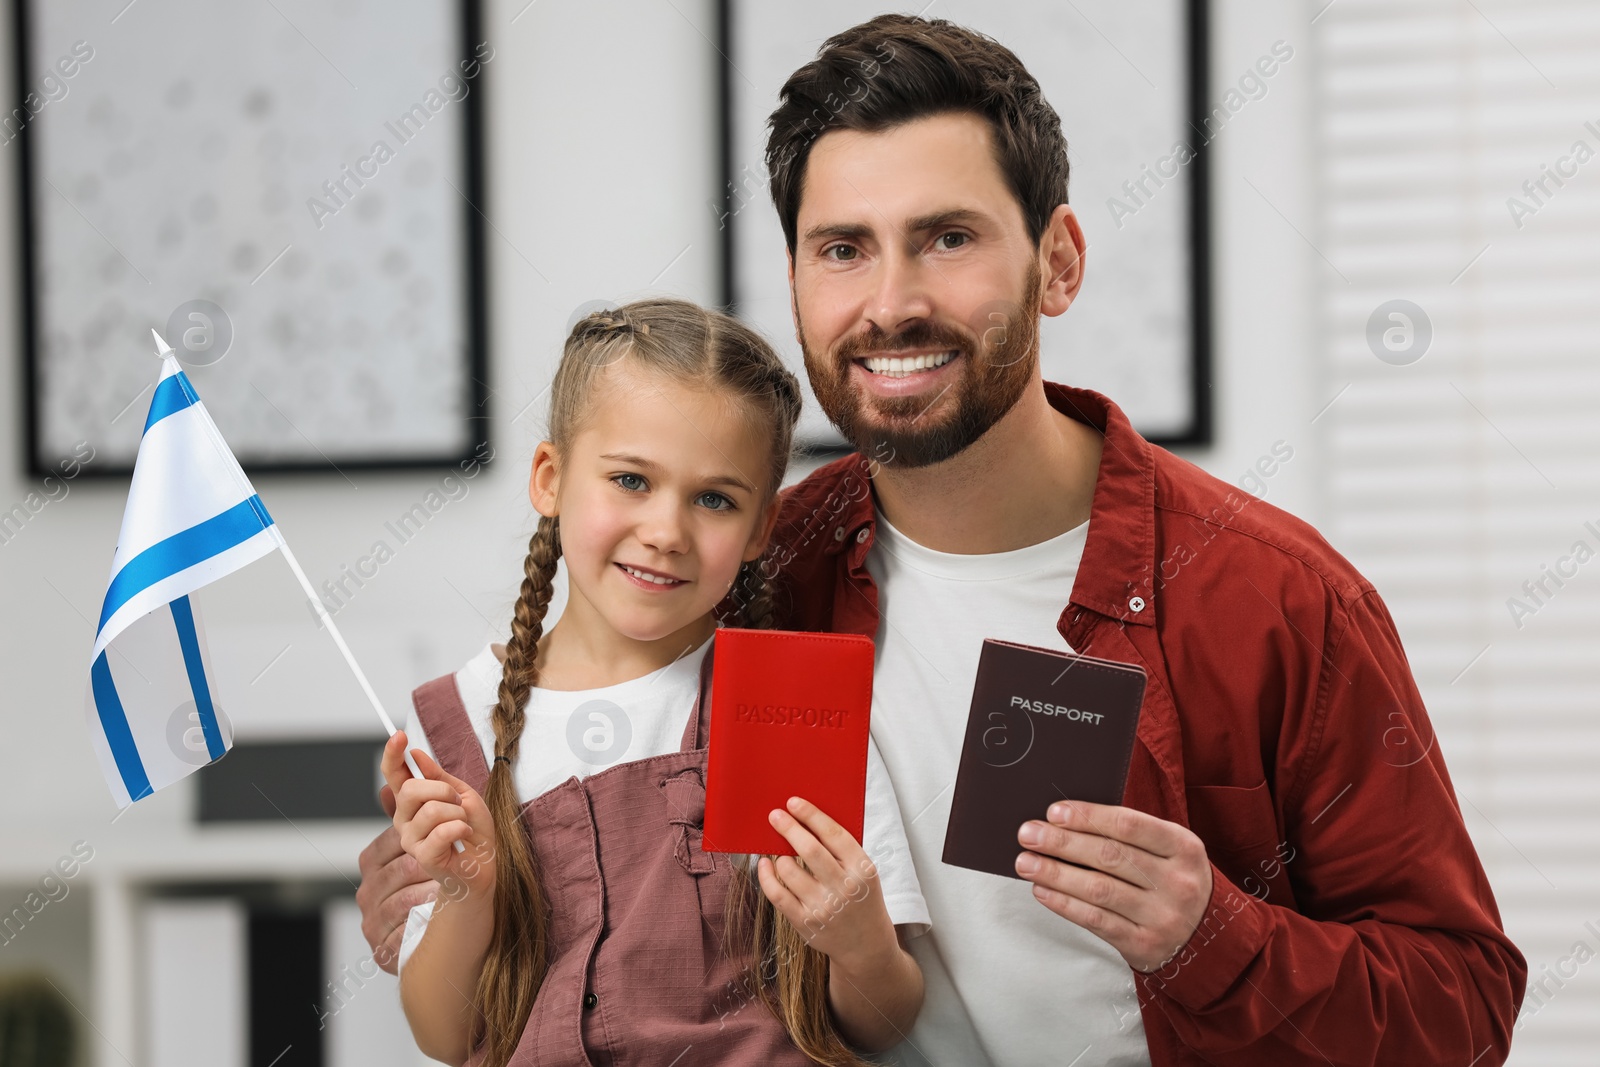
(475, 285)
(1200, 431)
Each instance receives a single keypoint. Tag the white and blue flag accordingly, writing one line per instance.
(192, 518)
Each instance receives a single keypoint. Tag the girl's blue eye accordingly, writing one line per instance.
(629, 482)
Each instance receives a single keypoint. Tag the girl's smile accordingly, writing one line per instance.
(655, 581)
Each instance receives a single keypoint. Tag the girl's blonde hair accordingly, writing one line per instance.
(703, 348)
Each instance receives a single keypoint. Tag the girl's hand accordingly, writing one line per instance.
(834, 900)
(432, 813)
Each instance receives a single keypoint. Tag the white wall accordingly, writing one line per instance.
(1267, 387)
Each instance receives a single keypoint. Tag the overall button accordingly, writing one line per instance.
(861, 537)
(590, 1000)
(838, 534)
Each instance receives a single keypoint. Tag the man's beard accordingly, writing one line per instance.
(997, 357)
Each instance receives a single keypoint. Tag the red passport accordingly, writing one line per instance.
(790, 713)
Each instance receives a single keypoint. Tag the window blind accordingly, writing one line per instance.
(1458, 147)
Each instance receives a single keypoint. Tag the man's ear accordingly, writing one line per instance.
(763, 532)
(1061, 254)
(544, 483)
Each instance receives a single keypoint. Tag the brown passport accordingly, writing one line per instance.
(1045, 726)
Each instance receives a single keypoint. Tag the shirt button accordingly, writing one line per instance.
(1136, 605)
(838, 535)
(590, 1000)
(861, 536)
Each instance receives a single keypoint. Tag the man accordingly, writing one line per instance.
(1289, 880)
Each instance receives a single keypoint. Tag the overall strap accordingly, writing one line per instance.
(699, 727)
(444, 719)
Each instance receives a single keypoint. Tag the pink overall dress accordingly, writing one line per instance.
(637, 973)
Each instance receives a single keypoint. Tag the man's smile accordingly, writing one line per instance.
(904, 363)
(906, 372)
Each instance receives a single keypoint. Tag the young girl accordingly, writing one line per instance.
(582, 918)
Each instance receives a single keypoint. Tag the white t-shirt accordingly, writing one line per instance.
(1009, 981)
(578, 732)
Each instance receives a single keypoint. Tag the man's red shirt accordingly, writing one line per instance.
(1350, 921)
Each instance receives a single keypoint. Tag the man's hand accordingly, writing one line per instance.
(392, 883)
(1148, 888)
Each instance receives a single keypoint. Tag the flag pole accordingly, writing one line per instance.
(349, 657)
(344, 649)
(166, 352)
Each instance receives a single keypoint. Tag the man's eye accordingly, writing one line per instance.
(839, 253)
(631, 482)
(945, 240)
(714, 501)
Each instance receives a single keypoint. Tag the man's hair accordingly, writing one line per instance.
(898, 68)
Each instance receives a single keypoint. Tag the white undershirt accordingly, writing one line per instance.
(1009, 982)
(574, 733)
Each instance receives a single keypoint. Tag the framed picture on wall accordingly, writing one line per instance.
(289, 192)
(1128, 80)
